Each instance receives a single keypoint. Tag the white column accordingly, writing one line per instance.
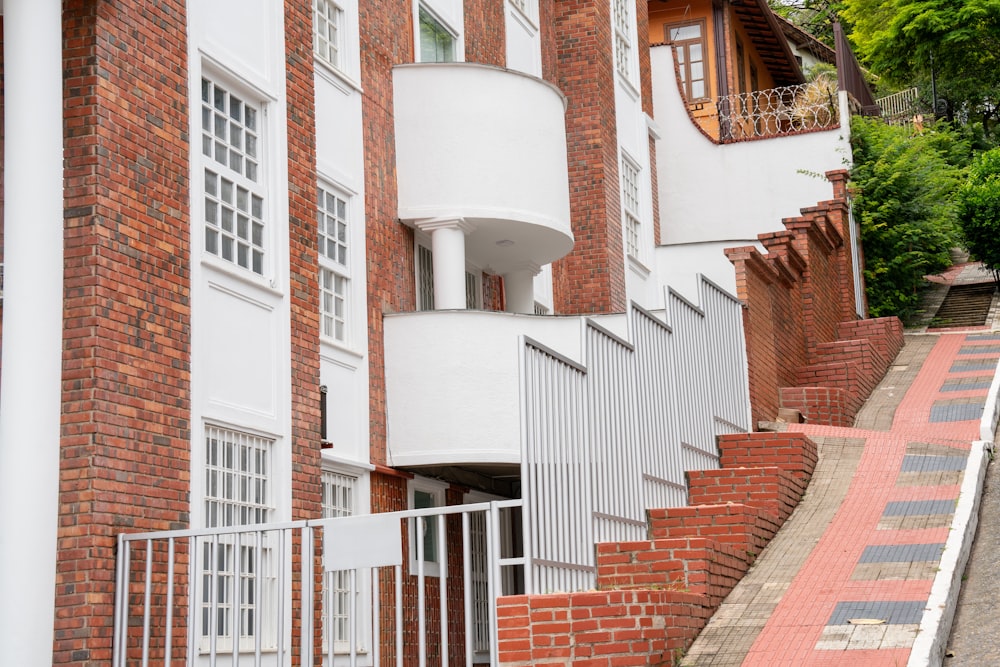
(519, 289)
(448, 247)
(30, 392)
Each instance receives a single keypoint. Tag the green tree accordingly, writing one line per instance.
(904, 186)
(979, 210)
(959, 40)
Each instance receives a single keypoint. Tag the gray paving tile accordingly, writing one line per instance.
(989, 336)
(978, 349)
(919, 507)
(901, 553)
(933, 463)
(891, 611)
(956, 412)
(965, 365)
(967, 384)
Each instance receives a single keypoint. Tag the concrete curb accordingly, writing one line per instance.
(935, 625)
(991, 411)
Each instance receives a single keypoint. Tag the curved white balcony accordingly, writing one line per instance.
(487, 146)
(453, 385)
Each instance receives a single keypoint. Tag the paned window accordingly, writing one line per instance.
(623, 41)
(234, 196)
(688, 40)
(237, 493)
(422, 500)
(437, 43)
(328, 33)
(339, 494)
(630, 203)
(334, 277)
(425, 278)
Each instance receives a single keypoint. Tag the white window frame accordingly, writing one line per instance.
(234, 175)
(340, 580)
(457, 52)
(329, 14)
(528, 9)
(623, 50)
(331, 269)
(630, 175)
(224, 470)
(436, 491)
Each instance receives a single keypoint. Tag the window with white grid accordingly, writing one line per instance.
(237, 493)
(623, 41)
(630, 203)
(234, 194)
(339, 493)
(334, 278)
(328, 33)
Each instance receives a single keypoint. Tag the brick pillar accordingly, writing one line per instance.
(126, 355)
(591, 279)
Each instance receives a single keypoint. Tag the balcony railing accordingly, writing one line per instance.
(778, 111)
(900, 108)
(233, 596)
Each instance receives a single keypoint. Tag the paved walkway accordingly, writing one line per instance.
(864, 570)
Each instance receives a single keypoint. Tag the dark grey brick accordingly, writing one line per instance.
(933, 463)
(956, 412)
(901, 553)
(919, 507)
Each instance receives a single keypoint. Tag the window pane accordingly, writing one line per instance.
(437, 44)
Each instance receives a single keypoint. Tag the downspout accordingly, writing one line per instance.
(720, 29)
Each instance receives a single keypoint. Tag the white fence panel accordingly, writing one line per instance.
(556, 473)
(605, 440)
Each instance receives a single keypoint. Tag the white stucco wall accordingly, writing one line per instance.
(711, 192)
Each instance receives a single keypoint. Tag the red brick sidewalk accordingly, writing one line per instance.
(854, 592)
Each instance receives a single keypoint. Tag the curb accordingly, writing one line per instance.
(935, 625)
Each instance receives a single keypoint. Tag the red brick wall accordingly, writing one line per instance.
(598, 629)
(386, 40)
(768, 488)
(800, 318)
(485, 33)
(304, 290)
(126, 401)
(656, 595)
(591, 279)
(792, 452)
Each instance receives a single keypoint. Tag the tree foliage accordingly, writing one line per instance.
(979, 210)
(959, 40)
(904, 184)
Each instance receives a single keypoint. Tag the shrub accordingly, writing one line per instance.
(979, 210)
(905, 185)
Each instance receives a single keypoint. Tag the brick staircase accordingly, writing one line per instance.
(654, 596)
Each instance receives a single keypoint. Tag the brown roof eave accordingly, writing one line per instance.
(791, 72)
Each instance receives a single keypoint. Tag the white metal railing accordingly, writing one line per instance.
(777, 111)
(900, 107)
(606, 439)
(176, 596)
